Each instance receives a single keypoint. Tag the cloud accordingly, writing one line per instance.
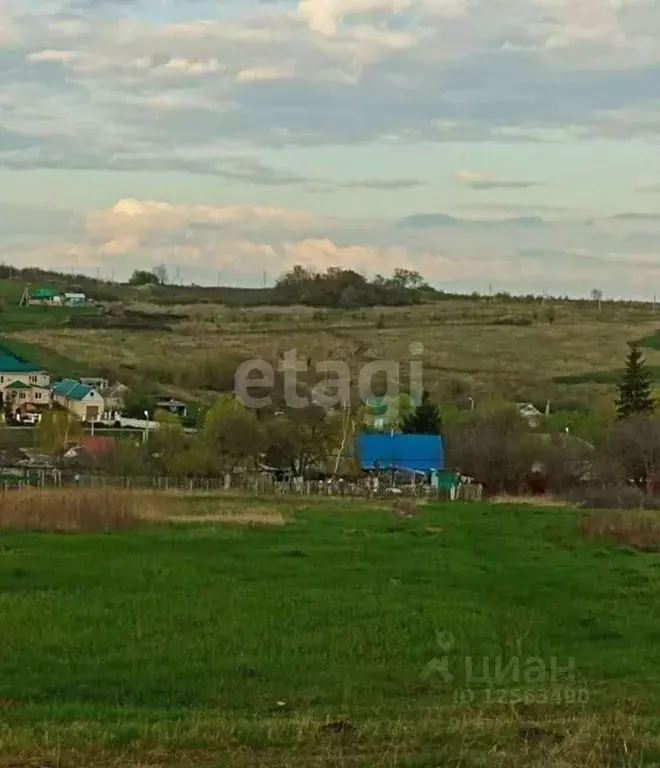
(129, 219)
(427, 221)
(443, 220)
(453, 252)
(636, 216)
(266, 103)
(383, 184)
(652, 189)
(485, 182)
(94, 79)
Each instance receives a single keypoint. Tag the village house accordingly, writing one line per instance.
(81, 399)
(115, 397)
(24, 386)
(173, 406)
(41, 297)
(23, 398)
(47, 297)
(95, 381)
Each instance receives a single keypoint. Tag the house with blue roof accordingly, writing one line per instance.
(83, 400)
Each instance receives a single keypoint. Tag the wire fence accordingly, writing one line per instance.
(258, 484)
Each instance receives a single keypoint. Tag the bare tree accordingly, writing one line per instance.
(160, 271)
(632, 452)
(493, 446)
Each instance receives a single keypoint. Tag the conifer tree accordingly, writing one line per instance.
(424, 420)
(635, 394)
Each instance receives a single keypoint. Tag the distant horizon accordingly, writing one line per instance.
(255, 284)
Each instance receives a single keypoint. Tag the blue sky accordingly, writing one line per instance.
(511, 143)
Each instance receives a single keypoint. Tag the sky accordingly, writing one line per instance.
(510, 145)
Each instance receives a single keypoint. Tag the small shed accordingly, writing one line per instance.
(75, 299)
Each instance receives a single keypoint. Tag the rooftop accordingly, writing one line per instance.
(71, 389)
(18, 385)
(11, 364)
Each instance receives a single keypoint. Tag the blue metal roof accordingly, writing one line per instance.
(71, 389)
(11, 364)
(420, 453)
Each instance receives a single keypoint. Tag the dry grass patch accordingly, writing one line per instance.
(639, 529)
(113, 509)
(242, 516)
(531, 501)
(64, 509)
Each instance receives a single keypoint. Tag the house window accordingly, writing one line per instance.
(22, 395)
(37, 395)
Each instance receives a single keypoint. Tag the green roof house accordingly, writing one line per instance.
(40, 297)
(81, 399)
(14, 370)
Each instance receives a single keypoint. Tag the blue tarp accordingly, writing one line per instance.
(413, 452)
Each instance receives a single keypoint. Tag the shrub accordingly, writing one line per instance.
(609, 497)
(616, 497)
(515, 321)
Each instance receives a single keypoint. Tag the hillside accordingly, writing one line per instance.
(567, 352)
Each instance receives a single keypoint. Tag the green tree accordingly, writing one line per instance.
(143, 277)
(635, 394)
(306, 438)
(233, 433)
(137, 402)
(128, 459)
(423, 420)
(58, 430)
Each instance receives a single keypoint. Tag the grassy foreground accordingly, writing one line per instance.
(342, 637)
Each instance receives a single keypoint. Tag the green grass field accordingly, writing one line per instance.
(309, 644)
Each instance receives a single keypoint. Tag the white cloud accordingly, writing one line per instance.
(150, 213)
(124, 227)
(324, 16)
(256, 74)
(53, 56)
(180, 65)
